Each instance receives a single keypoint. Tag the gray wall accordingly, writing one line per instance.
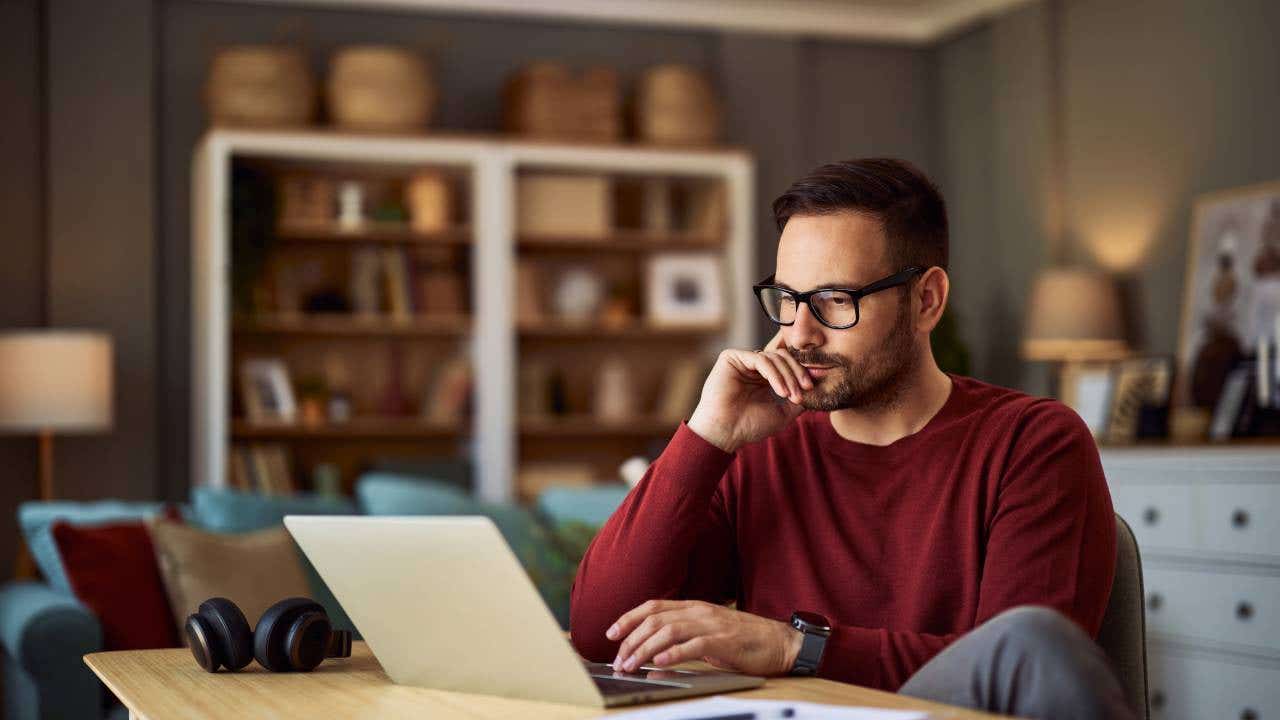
(1161, 100)
(793, 103)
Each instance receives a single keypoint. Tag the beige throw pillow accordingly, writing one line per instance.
(254, 570)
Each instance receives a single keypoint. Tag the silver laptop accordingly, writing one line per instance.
(443, 603)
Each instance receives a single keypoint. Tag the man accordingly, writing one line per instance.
(864, 509)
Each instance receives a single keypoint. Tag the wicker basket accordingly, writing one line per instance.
(260, 86)
(546, 99)
(380, 89)
(675, 105)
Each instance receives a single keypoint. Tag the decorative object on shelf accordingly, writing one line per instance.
(564, 206)
(676, 105)
(1087, 388)
(450, 396)
(680, 390)
(380, 88)
(632, 470)
(307, 200)
(266, 391)
(337, 378)
(260, 86)
(1232, 287)
(312, 401)
(618, 312)
(1074, 317)
(704, 210)
(429, 197)
(546, 99)
(55, 381)
(657, 214)
(578, 295)
(366, 275)
(1139, 383)
(351, 206)
(615, 399)
(326, 479)
(1227, 413)
(684, 289)
(1188, 424)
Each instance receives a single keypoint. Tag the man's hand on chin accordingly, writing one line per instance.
(668, 632)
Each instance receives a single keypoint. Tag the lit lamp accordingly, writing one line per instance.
(1074, 318)
(54, 381)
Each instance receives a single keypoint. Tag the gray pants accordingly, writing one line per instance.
(1030, 662)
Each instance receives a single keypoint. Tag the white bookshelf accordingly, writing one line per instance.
(490, 166)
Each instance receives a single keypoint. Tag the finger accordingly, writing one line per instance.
(648, 628)
(670, 634)
(794, 390)
(766, 369)
(796, 367)
(701, 646)
(628, 621)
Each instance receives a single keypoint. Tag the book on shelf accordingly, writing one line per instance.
(396, 271)
(262, 468)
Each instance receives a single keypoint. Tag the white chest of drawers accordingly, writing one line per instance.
(1207, 520)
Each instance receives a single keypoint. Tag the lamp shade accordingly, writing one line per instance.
(55, 380)
(1074, 315)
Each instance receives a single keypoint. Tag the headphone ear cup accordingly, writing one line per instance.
(206, 648)
(270, 637)
(308, 640)
(226, 634)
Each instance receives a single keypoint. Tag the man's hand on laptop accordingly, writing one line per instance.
(668, 632)
(750, 395)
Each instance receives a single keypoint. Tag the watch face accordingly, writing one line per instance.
(811, 618)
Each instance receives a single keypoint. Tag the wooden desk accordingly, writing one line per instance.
(159, 684)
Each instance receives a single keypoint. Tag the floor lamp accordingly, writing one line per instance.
(54, 381)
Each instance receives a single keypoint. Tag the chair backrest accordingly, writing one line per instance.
(1123, 636)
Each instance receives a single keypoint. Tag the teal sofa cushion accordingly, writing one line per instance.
(586, 505)
(381, 493)
(227, 510)
(36, 517)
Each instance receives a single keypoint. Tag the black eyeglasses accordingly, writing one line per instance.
(837, 308)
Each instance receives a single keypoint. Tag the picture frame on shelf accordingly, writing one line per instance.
(1139, 383)
(267, 391)
(684, 289)
(1232, 288)
(1087, 388)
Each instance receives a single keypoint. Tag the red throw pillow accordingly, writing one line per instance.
(112, 569)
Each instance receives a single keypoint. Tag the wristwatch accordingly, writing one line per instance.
(816, 629)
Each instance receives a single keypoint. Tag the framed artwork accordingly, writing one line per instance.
(267, 392)
(1231, 298)
(685, 289)
(1138, 382)
(1086, 388)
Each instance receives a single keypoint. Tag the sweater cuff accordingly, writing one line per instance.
(852, 656)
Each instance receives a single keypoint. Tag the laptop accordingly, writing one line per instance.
(443, 603)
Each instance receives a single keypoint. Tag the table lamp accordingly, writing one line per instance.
(54, 381)
(1074, 318)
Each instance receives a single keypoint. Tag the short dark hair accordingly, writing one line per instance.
(896, 192)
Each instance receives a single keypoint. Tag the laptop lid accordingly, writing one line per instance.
(443, 603)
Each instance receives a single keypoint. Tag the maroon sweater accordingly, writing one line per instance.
(998, 501)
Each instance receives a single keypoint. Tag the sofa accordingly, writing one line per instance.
(45, 630)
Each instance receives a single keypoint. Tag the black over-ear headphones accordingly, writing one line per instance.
(292, 635)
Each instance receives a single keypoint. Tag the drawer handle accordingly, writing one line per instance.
(1151, 516)
(1157, 699)
(1240, 519)
(1248, 714)
(1154, 601)
(1244, 610)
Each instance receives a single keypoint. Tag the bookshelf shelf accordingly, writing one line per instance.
(375, 233)
(356, 428)
(574, 427)
(634, 331)
(619, 242)
(355, 326)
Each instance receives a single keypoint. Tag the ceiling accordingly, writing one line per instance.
(905, 21)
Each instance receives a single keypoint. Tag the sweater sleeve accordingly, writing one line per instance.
(1050, 541)
(671, 538)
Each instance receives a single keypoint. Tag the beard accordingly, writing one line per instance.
(873, 382)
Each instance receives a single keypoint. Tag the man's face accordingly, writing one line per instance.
(869, 361)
